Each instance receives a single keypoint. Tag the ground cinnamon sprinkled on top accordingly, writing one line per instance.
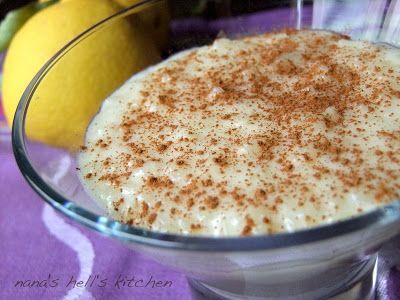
(268, 133)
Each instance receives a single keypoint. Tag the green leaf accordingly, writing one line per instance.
(200, 7)
(16, 18)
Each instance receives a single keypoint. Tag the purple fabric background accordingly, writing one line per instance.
(30, 250)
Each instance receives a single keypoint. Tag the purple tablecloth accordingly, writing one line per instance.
(37, 243)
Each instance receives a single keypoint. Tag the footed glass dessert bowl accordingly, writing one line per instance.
(336, 260)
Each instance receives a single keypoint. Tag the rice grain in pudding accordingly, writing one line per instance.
(264, 134)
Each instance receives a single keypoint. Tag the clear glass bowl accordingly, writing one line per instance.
(321, 262)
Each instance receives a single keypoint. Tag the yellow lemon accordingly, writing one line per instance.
(155, 18)
(71, 93)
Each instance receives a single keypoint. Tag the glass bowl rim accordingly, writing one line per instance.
(381, 216)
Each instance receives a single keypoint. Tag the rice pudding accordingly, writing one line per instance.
(264, 134)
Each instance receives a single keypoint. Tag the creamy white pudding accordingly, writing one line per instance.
(259, 135)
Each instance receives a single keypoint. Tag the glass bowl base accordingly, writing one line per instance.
(361, 286)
